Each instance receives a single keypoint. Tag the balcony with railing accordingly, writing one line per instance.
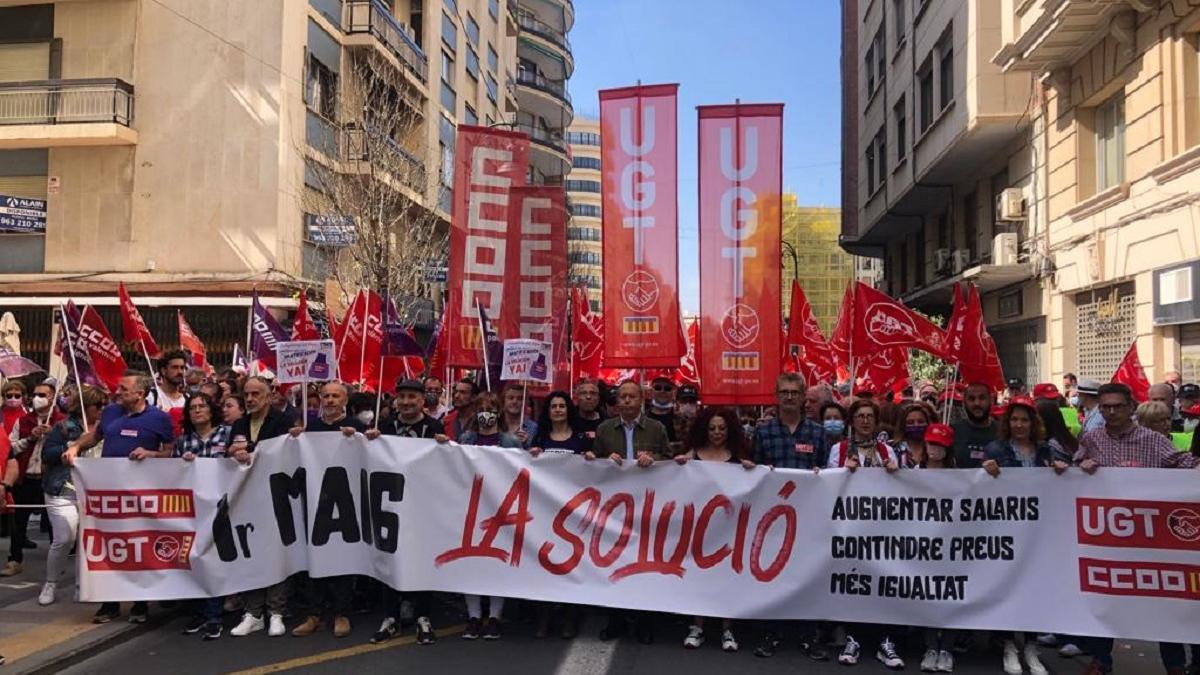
(529, 23)
(373, 18)
(556, 88)
(543, 136)
(365, 144)
(49, 113)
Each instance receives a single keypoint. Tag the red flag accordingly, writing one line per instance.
(132, 324)
(362, 340)
(839, 340)
(487, 164)
(880, 322)
(885, 370)
(303, 327)
(640, 213)
(741, 192)
(954, 327)
(977, 358)
(587, 339)
(189, 341)
(1131, 374)
(689, 370)
(440, 348)
(103, 351)
(808, 351)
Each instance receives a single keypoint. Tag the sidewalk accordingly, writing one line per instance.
(37, 639)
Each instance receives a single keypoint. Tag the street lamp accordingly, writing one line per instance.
(791, 250)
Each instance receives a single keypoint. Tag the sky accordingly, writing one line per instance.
(761, 51)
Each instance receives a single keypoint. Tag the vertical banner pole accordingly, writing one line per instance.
(74, 365)
(487, 371)
(149, 363)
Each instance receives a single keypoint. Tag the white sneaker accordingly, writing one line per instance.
(249, 624)
(849, 655)
(929, 663)
(945, 662)
(1069, 650)
(1012, 660)
(695, 637)
(728, 642)
(46, 597)
(1034, 661)
(277, 628)
(887, 655)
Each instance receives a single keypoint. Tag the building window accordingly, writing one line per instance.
(321, 89)
(881, 154)
(900, 20)
(869, 67)
(870, 157)
(449, 32)
(472, 30)
(880, 53)
(945, 50)
(588, 210)
(583, 138)
(452, 5)
(448, 96)
(925, 93)
(469, 114)
(491, 87)
(493, 59)
(1110, 142)
(586, 163)
(447, 68)
(900, 115)
(472, 64)
(583, 186)
(494, 9)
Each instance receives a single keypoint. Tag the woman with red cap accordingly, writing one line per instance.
(939, 454)
(1021, 443)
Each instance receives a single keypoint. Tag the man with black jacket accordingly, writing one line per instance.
(261, 422)
(408, 421)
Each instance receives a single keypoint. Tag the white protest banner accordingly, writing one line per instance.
(527, 360)
(1114, 554)
(304, 360)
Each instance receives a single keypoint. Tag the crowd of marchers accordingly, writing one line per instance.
(185, 413)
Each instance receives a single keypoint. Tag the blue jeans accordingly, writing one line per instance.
(209, 609)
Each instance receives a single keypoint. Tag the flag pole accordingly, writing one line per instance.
(146, 353)
(524, 390)
(487, 374)
(74, 367)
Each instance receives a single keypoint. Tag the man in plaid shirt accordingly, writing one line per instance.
(1121, 442)
(790, 441)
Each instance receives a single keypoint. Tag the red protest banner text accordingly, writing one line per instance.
(487, 164)
(1122, 523)
(118, 504)
(741, 184)
(137, 550)
(640, 220)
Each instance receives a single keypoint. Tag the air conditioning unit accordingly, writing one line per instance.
(1004, 249)
(1010, 204)
(961, 260)
(941, 259)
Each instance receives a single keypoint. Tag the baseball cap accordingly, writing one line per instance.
(410, 385)
(1189, 391)
(1023, 401)
(954, 394)
(1045, 390)
(1193, 411)
(999, 410)
(1089, 386)
(1015, 383)
(939, 434)
(687, 392)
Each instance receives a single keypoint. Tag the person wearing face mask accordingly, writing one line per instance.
(914, 420)
(972, 435)
(433, 389)
(14, 405)
(661, 406)
(833, 421)
(688, 398)
(361, 407)
(485, 431)
(24, 469)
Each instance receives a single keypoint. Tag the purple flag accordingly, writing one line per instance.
(265, 333)
(82, 359)
(239, 359)
(398, 339)
(490, 381)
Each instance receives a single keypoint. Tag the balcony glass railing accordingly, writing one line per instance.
(556, 88)
(66, 102)
(542, 136)
(530, 23)
(373, 17)
(361, 143)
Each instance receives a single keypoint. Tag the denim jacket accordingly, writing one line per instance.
(55, 474)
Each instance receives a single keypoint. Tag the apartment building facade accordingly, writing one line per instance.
(812, 256)
(172, 144)
(585, 248)
(935, 135)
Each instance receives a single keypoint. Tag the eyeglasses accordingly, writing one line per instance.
(13, 397)
(663, 387)
(783, 393)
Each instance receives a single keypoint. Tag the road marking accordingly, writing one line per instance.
(48, 634)
(20, 585)
(346, 653)
(587, 655)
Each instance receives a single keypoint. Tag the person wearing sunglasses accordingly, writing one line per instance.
(661, 407)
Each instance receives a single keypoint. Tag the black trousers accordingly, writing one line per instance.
(26, 492)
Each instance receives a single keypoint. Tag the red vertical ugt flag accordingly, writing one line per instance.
(741, 186)
(640, 215)
(102, 350)
(487, 164)
(132, 324)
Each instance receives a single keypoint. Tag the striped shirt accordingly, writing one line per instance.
(1137, 447)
